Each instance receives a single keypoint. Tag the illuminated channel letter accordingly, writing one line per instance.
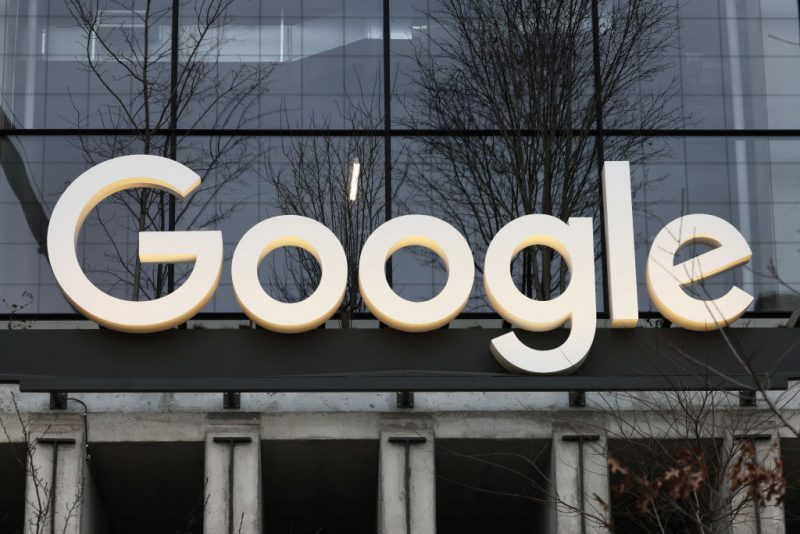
(422, 231)
(289, 231)
(575, 243)
(620, 256)
(202, 248)
(665, 281)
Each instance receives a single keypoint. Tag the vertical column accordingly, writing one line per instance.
(387, 124)
(579, 476)
(407, 481)
(736, 77)
(233, 480)
(750, 519)
(772, 517)
(56, 477)
(31, 95)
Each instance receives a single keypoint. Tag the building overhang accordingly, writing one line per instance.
(328, 360)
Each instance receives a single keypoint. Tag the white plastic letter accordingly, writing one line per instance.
(202, 248)
(620, 256)
(289, 231)
(665, 281)
(423, 231)
(575, 243)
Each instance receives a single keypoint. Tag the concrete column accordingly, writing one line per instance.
(773, 519)
(579, 466)
(233, 450)
(56, 475)
(407, 491)
(767, 520)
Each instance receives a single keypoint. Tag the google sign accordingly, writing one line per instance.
(573, 239)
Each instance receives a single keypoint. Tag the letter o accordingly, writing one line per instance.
(289, 231)
(423, 231)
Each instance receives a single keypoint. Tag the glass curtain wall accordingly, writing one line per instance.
(274, 103)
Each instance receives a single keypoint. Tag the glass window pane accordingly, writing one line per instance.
(732, 66)
(750, 182)
(289, 65)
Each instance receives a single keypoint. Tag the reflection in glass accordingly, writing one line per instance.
(749, 182)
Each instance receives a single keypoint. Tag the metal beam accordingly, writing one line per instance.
(385, 360)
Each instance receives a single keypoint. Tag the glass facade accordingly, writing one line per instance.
(272, 103)
(751, 182)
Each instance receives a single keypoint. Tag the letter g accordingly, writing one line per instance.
(203, 248)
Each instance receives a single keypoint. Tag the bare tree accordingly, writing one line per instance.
(41, 500)
(678, 461)
(128, 53)
(14, 308)
(758, 383)
(338, 181)
(687, 461)
(517, 83)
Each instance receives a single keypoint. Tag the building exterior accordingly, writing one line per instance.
(353, 112)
